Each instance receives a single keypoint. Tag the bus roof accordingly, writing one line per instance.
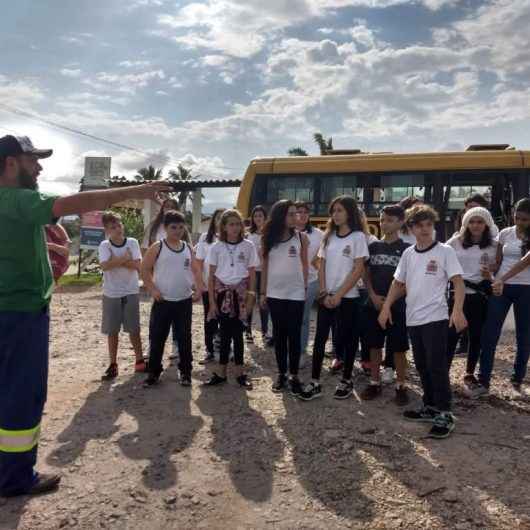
(367, 162)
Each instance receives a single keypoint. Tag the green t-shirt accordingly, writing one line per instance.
(25, 274)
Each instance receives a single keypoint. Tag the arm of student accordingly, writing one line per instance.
(263, 284)
(305, 259)
(133, 264)
(60, 249)
(88, 201)
(397, 291)
(520, 266)
(213, 313)
(376, 299)
(457, 319)
(147, 266)
(196, 270)
(251, 298)
(199, 263)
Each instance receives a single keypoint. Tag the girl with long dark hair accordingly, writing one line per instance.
(342, 254)
(283, 287)
(258, 217)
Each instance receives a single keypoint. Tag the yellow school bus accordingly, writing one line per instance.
(442, 179)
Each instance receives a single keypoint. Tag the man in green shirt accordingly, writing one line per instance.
(25, 291)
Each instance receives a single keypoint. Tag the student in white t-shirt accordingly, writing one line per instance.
(258, 217)
(315, 236)
(120, 259)
(511, 287)
(205, 243)
(422, 274)
(283, 287)
(169, 271)
(476, 251)
(342, 255)
(231, 287)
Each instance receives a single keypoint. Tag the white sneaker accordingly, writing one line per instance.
(388, 376)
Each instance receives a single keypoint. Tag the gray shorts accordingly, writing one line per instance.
(118, 312)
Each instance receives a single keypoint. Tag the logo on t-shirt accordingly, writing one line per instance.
(432, 267)
(346, 251)
(187, 263)
(241, 257)
(292, 251)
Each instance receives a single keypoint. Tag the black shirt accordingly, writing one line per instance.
(384, 259)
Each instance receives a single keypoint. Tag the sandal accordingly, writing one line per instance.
(110, 373)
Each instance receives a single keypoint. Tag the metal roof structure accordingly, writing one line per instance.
(180, 185)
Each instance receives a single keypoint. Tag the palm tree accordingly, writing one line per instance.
(297, 151)
(182, 174)
(149, 173)
(323, 144)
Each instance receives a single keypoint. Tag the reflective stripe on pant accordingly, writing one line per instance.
(23, 386)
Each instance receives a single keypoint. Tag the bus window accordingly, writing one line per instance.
(459, 193)
(332, 186)
(296, 188)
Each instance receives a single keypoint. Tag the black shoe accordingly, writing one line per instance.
(110, 373)
(185, 380)
(244, 381)
(443, 426)
(279, 385)
(424, 415)
(515, 383)
(269, 341)
(249, 339)
(371, 392)
(215, 380)
(151, 380)
(295, 387)
(344, 390)
(208, 358)
(45, 483)
(310, 391)
(402, 396)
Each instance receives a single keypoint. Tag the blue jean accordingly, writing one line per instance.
(23, 389)
(498, 307)
(312, 291)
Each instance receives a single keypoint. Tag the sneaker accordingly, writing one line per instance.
(110, 373)
(215, 380)
(336, 366)
(185, 379)
(280, 383)
(269, 341)
(473, 389)
(244, 381)
(311, 391)
(388, 376)
(249, 339)
(371, 392)
(443, 425)
(151, 380)
(424, 415)
(402, 396)
(44, 483)
(208, 358)
(295, 387)
(344, 390)
(469, 379)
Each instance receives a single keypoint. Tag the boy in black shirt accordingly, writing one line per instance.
(384, 258)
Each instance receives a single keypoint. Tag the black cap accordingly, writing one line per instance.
(19, 145)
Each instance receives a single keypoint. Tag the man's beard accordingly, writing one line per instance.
(26, 181)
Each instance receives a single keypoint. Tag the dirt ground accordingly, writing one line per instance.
(172, 457)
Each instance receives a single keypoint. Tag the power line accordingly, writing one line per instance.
(19, 112)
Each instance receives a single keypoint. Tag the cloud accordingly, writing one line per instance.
(68, 72)
(20, 92)
(125, 83)
(134, 64)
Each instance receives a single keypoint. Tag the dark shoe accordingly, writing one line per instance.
(344, 390)
(269, 341)
(311, 391)
(473, 389)
(515, 383)
(443, 426)
(249, 339)
(470, 379)
(45, 483)
(208, 358)
(402, 396)
(280, 384)
(151, 380)
(371, 392)
(110, 373)
(295, 387)
(423, 415)
(185, 380)
(244, 382)
(215, 380)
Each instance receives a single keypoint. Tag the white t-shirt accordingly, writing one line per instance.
(172, 272)
(425, 275)
(120, 281)
(233, 260)
(315, 240)
(285, 276)
(511, 254)
(256, 239)
(473, 259)
(160, 234)
(202, 252)
(370, 238)
(340, 253)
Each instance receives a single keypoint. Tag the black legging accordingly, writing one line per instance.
(231, 331)
(287, 317)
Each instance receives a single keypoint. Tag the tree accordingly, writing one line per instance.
(149, 173)
(323, 144)
(182, 174)
(297, 151)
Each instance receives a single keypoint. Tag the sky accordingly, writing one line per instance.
(213, 84)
